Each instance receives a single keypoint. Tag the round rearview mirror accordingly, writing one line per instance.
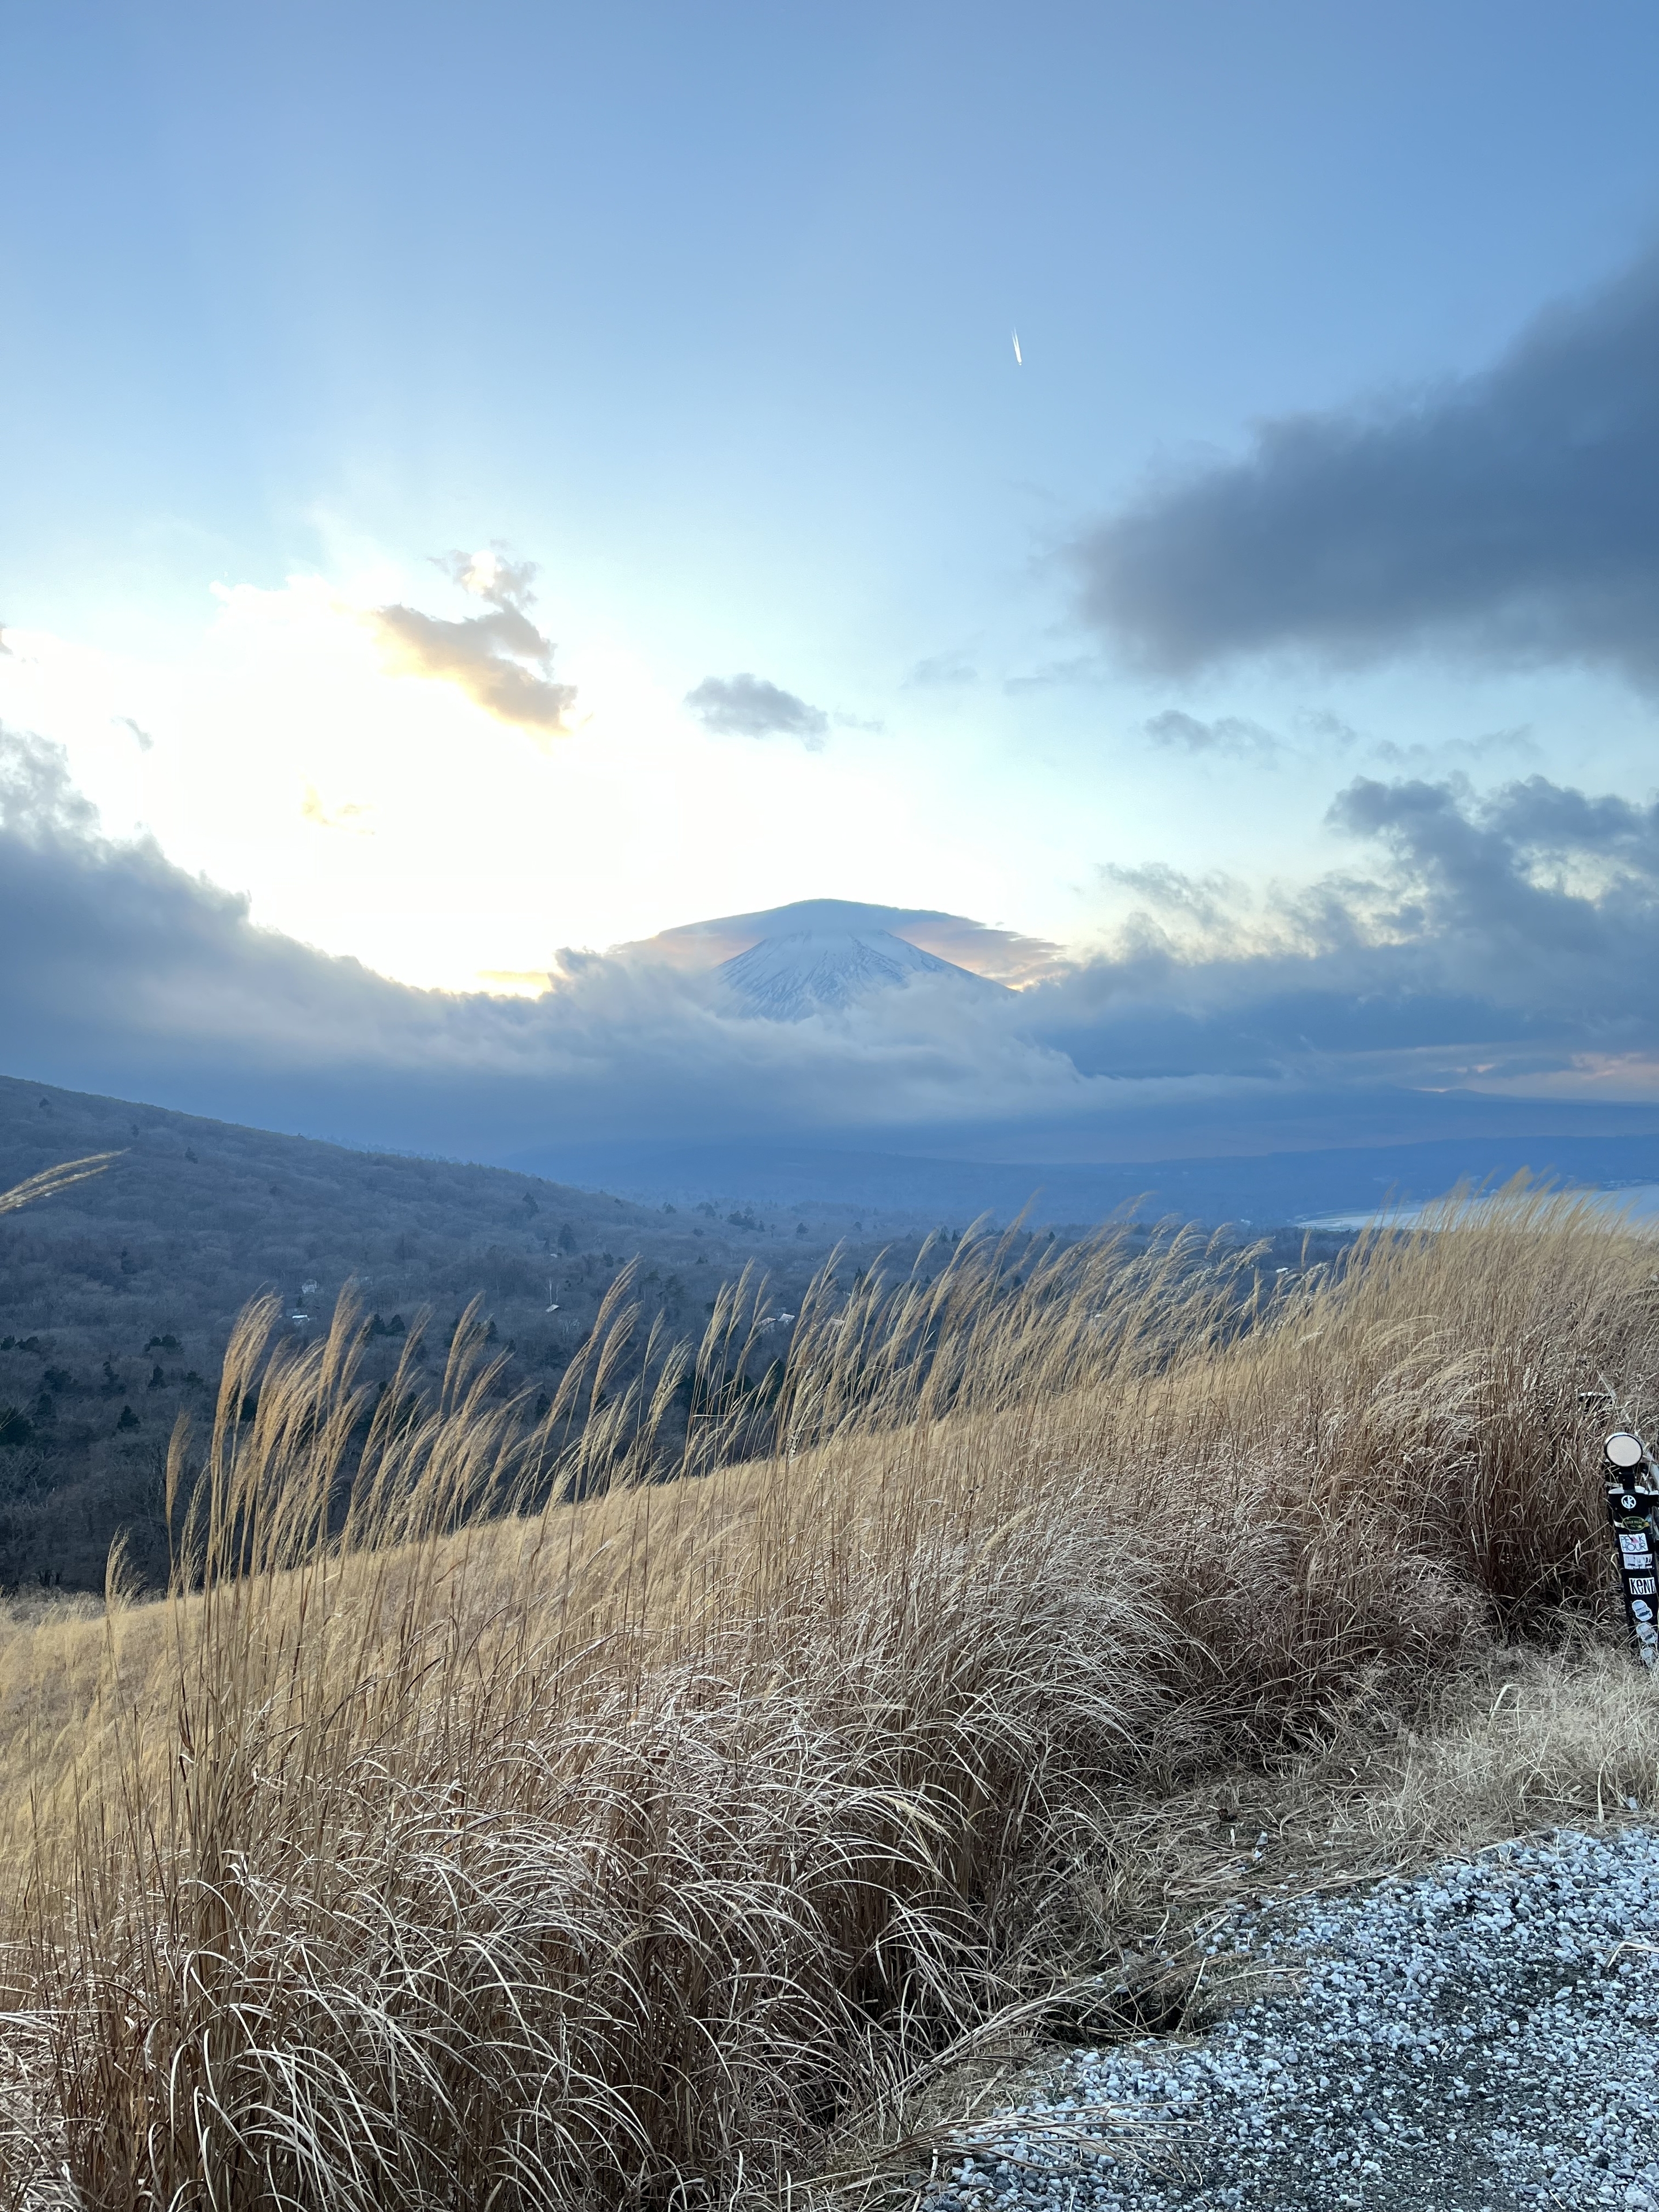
(1624, 1450)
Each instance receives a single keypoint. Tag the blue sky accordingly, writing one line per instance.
(707, 315)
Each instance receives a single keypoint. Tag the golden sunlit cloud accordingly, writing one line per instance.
(499, 661)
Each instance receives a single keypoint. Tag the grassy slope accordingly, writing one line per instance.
(197, 1216)
(650, 1839)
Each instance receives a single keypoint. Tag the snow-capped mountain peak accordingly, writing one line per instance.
(805, 971)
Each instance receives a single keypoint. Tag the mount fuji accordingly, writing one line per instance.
(821, 955)
(804, 971)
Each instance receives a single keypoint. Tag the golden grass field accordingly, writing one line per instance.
(524, 1828)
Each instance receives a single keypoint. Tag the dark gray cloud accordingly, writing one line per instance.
(1513, 513)
(501, 660)
(1471, 939)
(1477, 938)
(1539, 896)
(1228, 736)
(37, 800)
(745, 706)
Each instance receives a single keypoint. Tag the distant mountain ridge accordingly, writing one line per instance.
(1257, 1190)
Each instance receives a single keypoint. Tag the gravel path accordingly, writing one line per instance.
(1486, 2036)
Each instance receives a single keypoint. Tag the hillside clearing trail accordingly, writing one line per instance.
(1482, 2038)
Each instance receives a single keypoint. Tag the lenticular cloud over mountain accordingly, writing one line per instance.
(973, 948)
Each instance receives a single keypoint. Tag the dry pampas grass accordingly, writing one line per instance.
(485, 1819)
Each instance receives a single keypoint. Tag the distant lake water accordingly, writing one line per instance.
(1640, 1200)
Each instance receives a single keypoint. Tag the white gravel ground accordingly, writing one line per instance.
(1486, 2036)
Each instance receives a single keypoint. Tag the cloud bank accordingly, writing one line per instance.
(1512, 514)
(501, 660)
(745, 706)
(1509, 942)
(1496, 941)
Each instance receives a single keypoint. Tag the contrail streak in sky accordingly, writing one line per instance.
(1019, 355)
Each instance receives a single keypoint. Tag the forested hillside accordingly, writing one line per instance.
(117, 1296)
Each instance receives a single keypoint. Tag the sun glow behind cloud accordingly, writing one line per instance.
(375, 804)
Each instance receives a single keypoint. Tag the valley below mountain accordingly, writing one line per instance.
(117, 1296)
